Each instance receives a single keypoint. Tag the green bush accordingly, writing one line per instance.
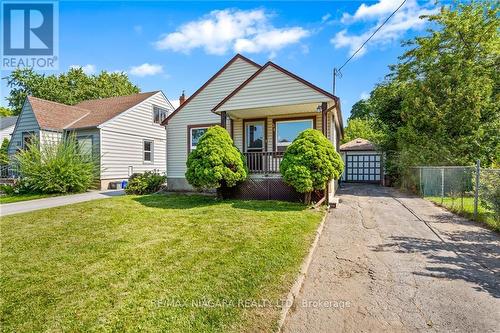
(310, 162)
(56, 167)
(216, 163)
(489, 191)
(4, 155)
(144, 183)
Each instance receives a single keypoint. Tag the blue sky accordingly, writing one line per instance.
(175, 46)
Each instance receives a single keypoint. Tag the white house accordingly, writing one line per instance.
(7, 125)
(124, 132)
(263, 108)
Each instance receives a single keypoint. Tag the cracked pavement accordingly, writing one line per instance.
(391, 262)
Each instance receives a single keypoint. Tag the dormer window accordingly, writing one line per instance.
(159, 114)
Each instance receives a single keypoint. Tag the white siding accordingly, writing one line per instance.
(273, 88)
(6, 133)
(49, 137)
(198, 111)
(122, 140)
(25, 123)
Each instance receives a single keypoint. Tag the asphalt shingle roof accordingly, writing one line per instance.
(90, 113)
(7, 122)
(358, 144)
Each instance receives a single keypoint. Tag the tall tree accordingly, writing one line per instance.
(68, 88)
(439, 105)
(5, 112)
(450, 109)
(364, 129)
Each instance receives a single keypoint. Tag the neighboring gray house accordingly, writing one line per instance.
(263, 108)
(124, 132)
(7, 125)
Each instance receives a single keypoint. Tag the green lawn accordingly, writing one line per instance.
(4, 199)
(152, 263)
(467, 210)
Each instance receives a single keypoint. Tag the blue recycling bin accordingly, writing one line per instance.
(124, 184)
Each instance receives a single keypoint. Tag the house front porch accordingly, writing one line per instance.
(263, 134)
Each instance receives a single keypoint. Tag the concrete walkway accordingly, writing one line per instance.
(387, 262)
(31, 205)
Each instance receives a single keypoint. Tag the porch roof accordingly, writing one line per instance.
(273, 88)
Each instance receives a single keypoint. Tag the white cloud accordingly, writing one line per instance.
(325, 17)
(231, 29)
(364, 12)
(406, 19)
(87, 69)
(146, 69)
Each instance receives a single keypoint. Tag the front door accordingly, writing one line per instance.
(255, 139)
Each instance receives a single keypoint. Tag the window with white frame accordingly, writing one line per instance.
(148, 151)
(159, 114)
(195, 133)
(288, 130)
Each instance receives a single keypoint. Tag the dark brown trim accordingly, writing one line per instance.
(275, 120)
(223, 119)
(284, 71)
(231, 123)
(244, 139)
(189, 127)
(219, 72)
(324, 121)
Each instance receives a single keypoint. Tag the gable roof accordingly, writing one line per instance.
(357, 145)
(219, 72)
(90, 113)
(7, 122)
(104, 109)
(280, 69)
(53, 115)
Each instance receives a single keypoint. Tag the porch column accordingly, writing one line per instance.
(223, 119)
(324, 118)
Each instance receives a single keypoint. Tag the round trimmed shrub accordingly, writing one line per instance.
(310, 162)
(216, 163)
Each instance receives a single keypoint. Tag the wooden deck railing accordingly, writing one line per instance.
(264, 162)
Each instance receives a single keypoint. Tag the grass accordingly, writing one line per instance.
(467, 210)
(152, 263)
(4, 199)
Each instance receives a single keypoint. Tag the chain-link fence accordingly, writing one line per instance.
(454, 187)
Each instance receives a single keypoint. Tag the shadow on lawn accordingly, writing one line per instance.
(189, 201)
(471, 257)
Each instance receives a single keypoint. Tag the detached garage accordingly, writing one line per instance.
(363, 163)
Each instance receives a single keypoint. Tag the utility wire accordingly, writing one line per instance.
(373, 34)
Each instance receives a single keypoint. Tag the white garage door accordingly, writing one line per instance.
(364, 168)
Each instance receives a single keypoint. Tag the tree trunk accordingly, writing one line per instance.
(307, 198)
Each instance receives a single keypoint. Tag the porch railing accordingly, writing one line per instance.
(264, 162)
(9, 171)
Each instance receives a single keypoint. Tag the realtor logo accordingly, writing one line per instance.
(29, 34)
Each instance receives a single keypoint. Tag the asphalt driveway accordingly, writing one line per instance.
(396, 263)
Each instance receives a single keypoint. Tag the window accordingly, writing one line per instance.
(148, 147)
(84, 145)
(27, 139)
(159, 114)
(288, 130)
(254, 132)
(195, 134)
